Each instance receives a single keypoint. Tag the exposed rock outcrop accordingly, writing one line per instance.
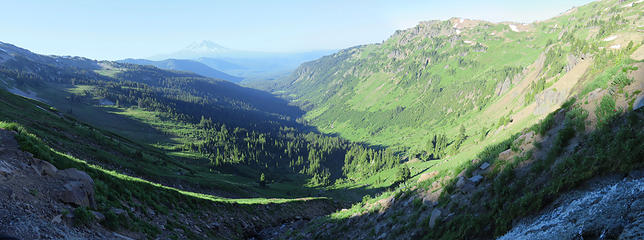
(29, 196)
(78, 188)
(574, 215)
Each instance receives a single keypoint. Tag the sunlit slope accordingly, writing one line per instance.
(440, 74)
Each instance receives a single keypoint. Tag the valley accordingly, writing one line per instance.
(451, 129)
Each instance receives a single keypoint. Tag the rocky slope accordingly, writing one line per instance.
(38, 201)
(619, 202)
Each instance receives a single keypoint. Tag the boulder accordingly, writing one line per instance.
(548, 99)
(75, 175)
(476, 179)
(425, 176)
(117, 211)
(78, 188)
(460, 182)
(99, 216)
(526, 137)
(435, 215)
(505, 155)
(77, 193)
(44, 168)
(639, 103)
(484, 166)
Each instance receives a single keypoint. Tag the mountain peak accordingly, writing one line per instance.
(207, 46)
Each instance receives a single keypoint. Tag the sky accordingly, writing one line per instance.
(117, 29)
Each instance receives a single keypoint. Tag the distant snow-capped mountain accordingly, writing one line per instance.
(206, 48)
(196, 50)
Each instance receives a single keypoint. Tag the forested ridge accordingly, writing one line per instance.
(231, 125)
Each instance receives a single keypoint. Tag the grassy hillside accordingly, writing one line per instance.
(460, 93)
(432, 78)
(132, 176)
(526, 173)
(452, 129)
(221, 132)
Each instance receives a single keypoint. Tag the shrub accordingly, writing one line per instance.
(544, 125)
(403, 174)
(606, 109)
(115, 222)
(620, 79)
(82, 217)
(576, 117)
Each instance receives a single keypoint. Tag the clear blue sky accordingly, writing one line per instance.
(115, 29)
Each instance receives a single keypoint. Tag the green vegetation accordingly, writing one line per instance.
(606, 109)
(405, 93)
(433, 78)
(515, 196)
(403, 174)
(220, 132)
(434, 94)
(82, 216)
(535, 88)
(112, 189)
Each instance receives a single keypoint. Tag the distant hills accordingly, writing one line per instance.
(187, 66)
(250, 65)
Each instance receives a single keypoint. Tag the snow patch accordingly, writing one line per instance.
(611, 38)
(627, 5)
(492, 34)
(616, 46)
(458, 31)
(2, 50)
(467, 41)
(513, 28)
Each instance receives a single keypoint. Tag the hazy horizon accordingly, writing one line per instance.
(120, 29)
